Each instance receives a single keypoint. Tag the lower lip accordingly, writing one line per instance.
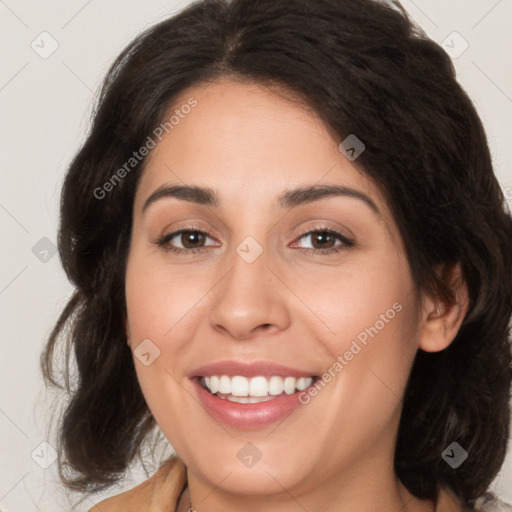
(247, 416)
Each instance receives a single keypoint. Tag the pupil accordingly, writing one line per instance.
(190, 237)
(323, 236)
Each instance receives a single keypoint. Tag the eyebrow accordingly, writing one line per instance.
(290, 198)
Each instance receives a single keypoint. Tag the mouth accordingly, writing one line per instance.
(250, 395)
(253, 390)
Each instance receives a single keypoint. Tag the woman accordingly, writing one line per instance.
(292, 256)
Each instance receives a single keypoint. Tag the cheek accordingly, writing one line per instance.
(159, 300)
(369, 313)
(157, 303)
(372, 298)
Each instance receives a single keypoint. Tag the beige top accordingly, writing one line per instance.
(161, 493)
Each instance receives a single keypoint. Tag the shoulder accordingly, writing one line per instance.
(156, 494)
(488, 502)
(448, 502)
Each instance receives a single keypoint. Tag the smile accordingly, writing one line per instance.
(250, 395)
(257, 389)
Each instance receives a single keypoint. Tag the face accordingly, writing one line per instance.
(260, 290)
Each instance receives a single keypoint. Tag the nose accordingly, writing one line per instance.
(249, 300)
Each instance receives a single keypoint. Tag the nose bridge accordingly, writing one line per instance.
(246, 297)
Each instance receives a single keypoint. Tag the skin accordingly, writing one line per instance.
(301, 309)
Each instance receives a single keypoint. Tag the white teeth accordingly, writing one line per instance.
(225, 385)
(289, 385)
(251, 390)
(275, 385)
(258, 386)
(248, 399)
(214, 384)
(240, 386)
(302, 383)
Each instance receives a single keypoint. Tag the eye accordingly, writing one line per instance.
(324, 240)
(191, 240)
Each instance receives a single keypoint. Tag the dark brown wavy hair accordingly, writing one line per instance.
(365, 69)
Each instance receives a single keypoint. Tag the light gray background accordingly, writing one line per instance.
(45, 106)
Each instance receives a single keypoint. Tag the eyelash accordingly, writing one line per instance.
(346, 243)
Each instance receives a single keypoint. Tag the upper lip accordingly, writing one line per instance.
(248, 369)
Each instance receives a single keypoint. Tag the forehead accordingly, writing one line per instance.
(247, 141)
